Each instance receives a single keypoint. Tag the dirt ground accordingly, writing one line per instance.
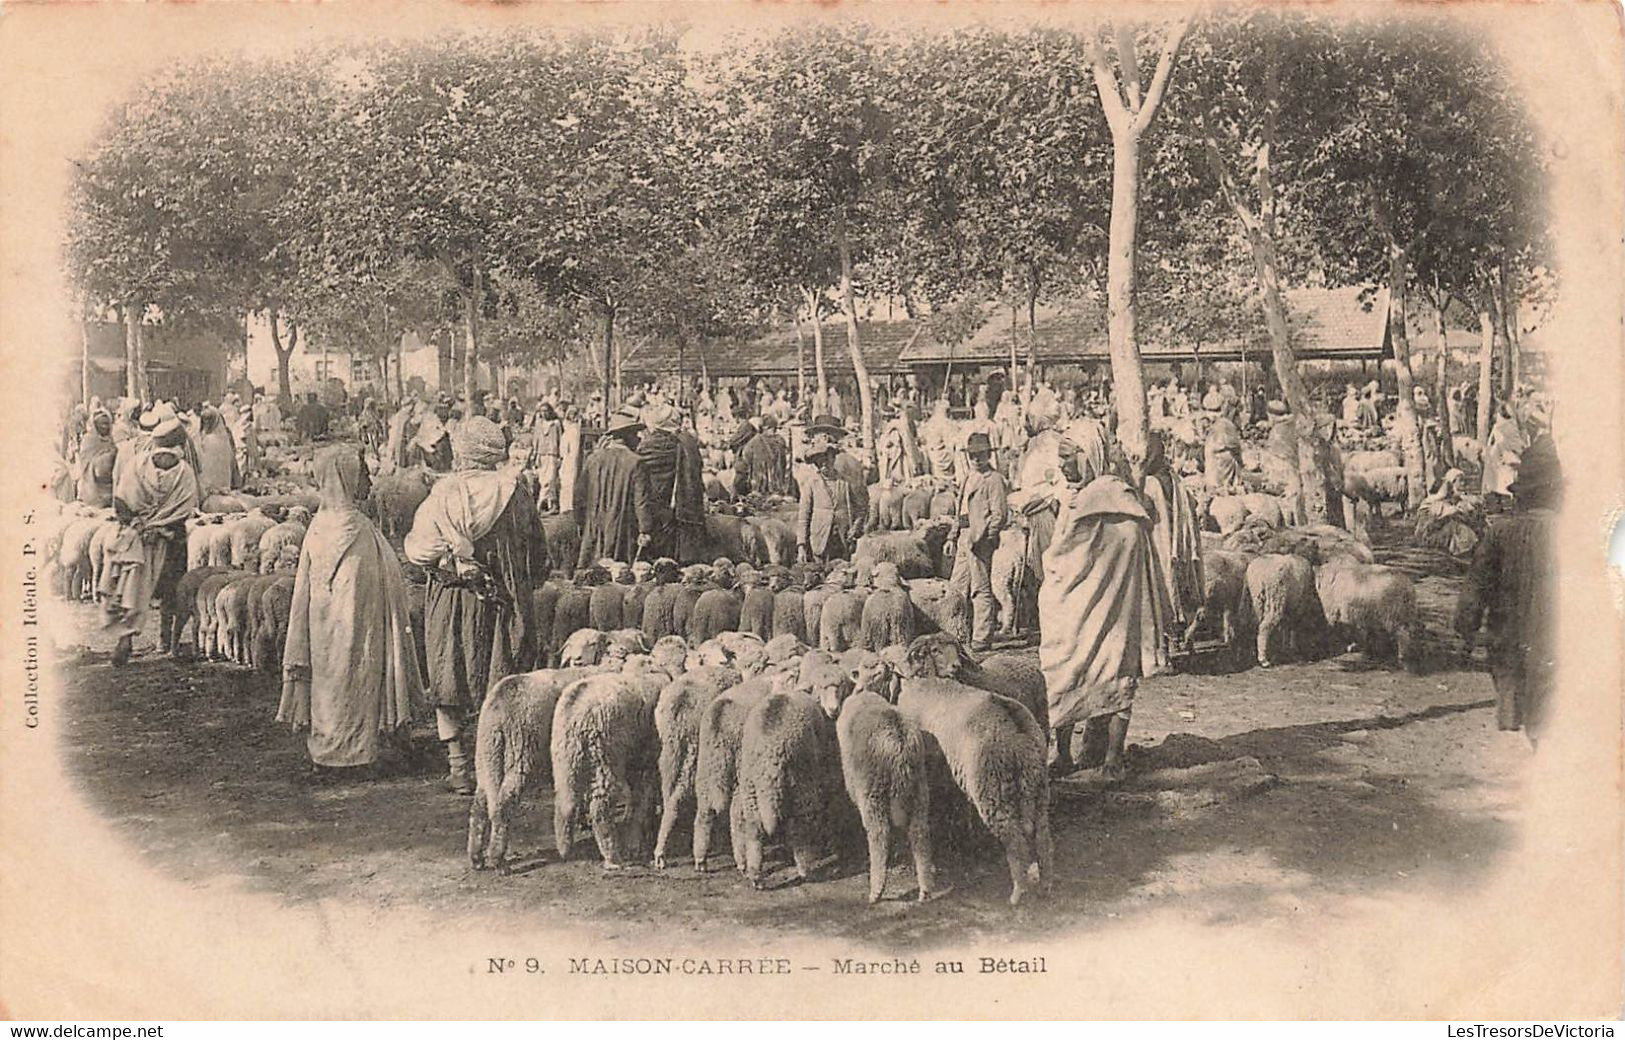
(1257, 795)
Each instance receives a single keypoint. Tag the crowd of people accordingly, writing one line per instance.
(1114, 550)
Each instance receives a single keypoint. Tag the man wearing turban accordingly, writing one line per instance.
(479, 539)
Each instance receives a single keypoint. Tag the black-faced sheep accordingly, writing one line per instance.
(573, 611)
(678, 714)
(775, 541)
(634, 593)
(888, 613)
(789, 612)
(917, 554)
(883, 761)
(995, 751)
(1374, 607)
(756, 608)
(840, 620)
(660, 603)
(717, 609)
(789, 766)
(563, 540)
(1281, 600)
(605, 756)
(544, 602)
(686, 594)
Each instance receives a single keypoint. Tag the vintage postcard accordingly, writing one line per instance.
(724, 511)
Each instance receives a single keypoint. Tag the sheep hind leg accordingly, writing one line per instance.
(919, 847)
(1266, 629)
(877, 827)
(739, 829)
(705, 818)
(1017, 854)
(670, 805)
(805, 852)
(479, 829)
(507, 803)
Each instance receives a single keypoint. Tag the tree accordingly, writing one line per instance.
(1130, 112)
(805, 149)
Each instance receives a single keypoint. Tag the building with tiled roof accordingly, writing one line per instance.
(774, 353)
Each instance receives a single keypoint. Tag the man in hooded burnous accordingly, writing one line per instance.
(480, 541)
(1510, 590)
(1101, 606)
(671, 490)
(153, 497)
(605, 495)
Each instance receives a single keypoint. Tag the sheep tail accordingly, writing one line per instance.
(770, 804)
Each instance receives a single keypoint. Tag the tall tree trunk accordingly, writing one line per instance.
(818, 350)
(1441, 378)
(1486, 368)
(1406, 424)
(801, 361)
(84, 361)
(135, 364)
(1506, 320)
(1129, 113)
(1032, 322)
(400, 369)
(1013, 338)
(607, 362)
(283, 356)
(471, 343)
(1128, 370)
(860, 369)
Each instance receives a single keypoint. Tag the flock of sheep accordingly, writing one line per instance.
(791, 703)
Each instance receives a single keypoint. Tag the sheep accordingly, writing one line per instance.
(840, 621)
(789, 610)
(917, 553)
(271, 627)
(756, 608)
(716, 610)
(677, 717)
(605, 755)
(1227, 512)
(939, 607)
(1264, 508)
(917, 505)
(1013, 675)
(584, 646)
(886, 508)
(606, 606)
(254, 613)
(563, 540)
(944, 504)
(1224, 583)
(1009, 573)
(622, 644)
(634, 594)
(783, 648)
(512, 748)
(725, 536)
(716, 763)
(686, 593)
(221, 503)
(1374, 605)
(1374, 486)
(245, 536)
(206, 606)
(1281, 598)
(289, 532)
(788, 764)
(812, 601)
(883, 761)
(573, 611)
(994, 749)
(544, 604)
(231, 617)
(1361, 461)
(872, 671)
(183, 605)
(74, 555)
(198, 535)
(395, 497)
(660, 603)
(888, 613)
(775, 541)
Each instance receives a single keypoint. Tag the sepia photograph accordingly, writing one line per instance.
(718, 511)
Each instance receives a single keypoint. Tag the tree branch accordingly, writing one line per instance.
(1165, 68)
(1128, 65)
(1111, 100)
